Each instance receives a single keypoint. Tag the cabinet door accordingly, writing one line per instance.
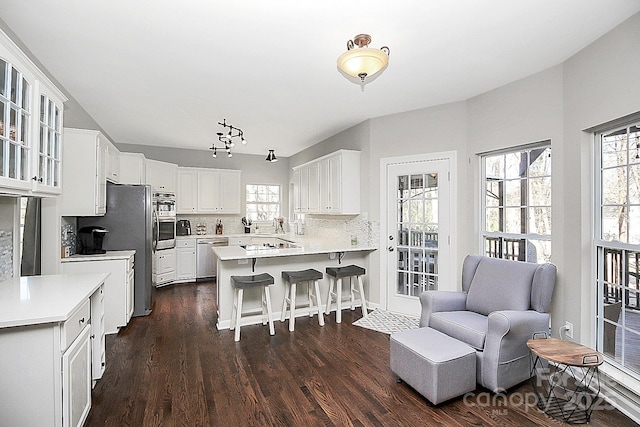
(166, 261)
(169, 177)
(335, 184)
(186, 263)
(101, 177)
(186, 202)
(113, 163)
(314, 188)
(97, 334)
(130, 288)
(76, 380)
(295, 190)
(48, 156)
(304, 189)
(229, 192)
(208, 191)
(323, 186)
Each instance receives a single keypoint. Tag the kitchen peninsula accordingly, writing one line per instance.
(289, 252)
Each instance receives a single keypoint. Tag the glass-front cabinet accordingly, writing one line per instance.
(30, 125)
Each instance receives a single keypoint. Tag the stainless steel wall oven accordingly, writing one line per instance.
(164, 221)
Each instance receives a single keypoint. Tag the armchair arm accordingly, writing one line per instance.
(506, 345)
(434, 301)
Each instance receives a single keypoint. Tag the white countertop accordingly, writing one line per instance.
(308, 246)
(45, 299)
(110, 255)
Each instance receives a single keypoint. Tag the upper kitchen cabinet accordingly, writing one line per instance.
(161, 176)
(208, 191)
(113, 163)
(85, 173)
(329, 185)
(30, 144)
(133, 169)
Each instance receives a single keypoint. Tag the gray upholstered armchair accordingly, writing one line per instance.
(502, 304)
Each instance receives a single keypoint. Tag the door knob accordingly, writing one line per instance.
(390, 248)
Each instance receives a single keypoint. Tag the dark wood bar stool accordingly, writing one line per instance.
(292, 278)
(336, 274)
(239, 284)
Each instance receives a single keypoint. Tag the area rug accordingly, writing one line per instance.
(387, 322)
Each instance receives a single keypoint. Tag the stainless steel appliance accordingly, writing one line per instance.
(129, 219)
(164, 217)
(206, 262)
(183, 227)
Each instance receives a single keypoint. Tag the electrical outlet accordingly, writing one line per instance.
(568, 327)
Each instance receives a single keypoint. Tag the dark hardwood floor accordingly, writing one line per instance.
(174, 368)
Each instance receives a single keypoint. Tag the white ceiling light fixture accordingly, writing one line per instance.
(363, 62)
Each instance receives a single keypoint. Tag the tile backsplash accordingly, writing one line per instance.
(6, 254)
(68, 237)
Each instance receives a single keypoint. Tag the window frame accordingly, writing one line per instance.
(510, 237)
(601, 246)
(247, 202)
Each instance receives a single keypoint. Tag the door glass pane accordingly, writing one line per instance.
(43, 139)
(417, 228)
(23, 163)
(13, 124)
(43, 109)
(3, 78)
(24, 127)
(25, 94)
(56, 173)
(14, 85)
(57, 120)
(13, 158)
(3, 148)
(2, 126)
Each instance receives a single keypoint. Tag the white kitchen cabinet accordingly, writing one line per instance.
(208, 191)
(85, 173)
(119, 286)
(30, 143)
(133, 169)
(98, 345)
(295, 191)
(46, 378)
(162, 176)
(113, 163)
(164, 267)
(331, 184)
(76, 379)
(187, 193)
(185, 259)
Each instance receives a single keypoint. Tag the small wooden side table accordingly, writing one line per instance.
(569, 385)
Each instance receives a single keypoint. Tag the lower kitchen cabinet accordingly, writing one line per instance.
(47, 369)
(164, 267)
(119, 286)
(185, 259)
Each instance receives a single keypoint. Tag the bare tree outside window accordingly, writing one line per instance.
(517, 204)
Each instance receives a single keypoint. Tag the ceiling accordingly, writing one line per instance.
(158, 72)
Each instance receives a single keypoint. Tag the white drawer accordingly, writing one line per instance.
(72, 327)
(165, 278)
(237, 241)
(186, 243)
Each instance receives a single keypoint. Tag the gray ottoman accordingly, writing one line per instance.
(434, 364)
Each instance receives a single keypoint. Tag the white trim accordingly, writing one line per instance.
(452, 157)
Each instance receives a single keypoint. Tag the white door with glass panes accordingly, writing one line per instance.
(417, 235)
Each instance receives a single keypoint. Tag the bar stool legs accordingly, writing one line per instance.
(336, 274)
(291, 279)
(239, 283)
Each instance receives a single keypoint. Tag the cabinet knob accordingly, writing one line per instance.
(390, 248)
(35, 178)
(40, 180)
(81, 321)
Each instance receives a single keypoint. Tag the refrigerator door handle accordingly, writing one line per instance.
(156, 231)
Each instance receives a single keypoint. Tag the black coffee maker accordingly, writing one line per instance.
(90, 240)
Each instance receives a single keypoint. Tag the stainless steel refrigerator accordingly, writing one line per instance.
(129, 221)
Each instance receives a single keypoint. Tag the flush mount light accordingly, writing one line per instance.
(271, 157)
(227, 140)
(364, 61)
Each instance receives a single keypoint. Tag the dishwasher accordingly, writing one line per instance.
(206, 262)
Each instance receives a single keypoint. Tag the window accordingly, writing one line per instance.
(517, 204)
(617, 246)
(263, 202)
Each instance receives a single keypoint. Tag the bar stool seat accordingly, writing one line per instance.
(292, 278)
(240, 283)
(336, 274)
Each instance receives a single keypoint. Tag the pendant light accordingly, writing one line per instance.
(271, 157)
